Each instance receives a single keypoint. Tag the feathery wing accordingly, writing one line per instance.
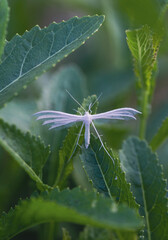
(120, 114)
(57, 119)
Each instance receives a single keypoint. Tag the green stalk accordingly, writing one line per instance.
(145, 113)
(51, 231)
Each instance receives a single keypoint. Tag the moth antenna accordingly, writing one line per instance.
(90, 105)
(95, 100)
(102, 142)
(75, 100)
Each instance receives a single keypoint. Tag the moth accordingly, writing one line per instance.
(59, 119)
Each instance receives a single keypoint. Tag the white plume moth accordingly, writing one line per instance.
(59, 119)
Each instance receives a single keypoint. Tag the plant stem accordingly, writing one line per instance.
(144, 109)
(51, 228)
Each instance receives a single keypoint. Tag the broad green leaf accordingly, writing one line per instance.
(55, 97)
(144, 46)
(28, 151)
(19, 113)
(149, 188)
(70, 148)
(73, 206)
(160, 136)
(113, 84)
(26, 57)
(156, 119)
(105, 173)
(154, 124)
(4, 15)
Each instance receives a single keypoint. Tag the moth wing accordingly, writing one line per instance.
(119, 114)
(57, 119)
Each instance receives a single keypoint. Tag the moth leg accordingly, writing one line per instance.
(100, 147)
(77, 111)
(102, 142)
(76, 142)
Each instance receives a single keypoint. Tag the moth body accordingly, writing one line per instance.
(87, 121)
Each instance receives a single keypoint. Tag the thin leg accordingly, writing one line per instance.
(95, 101)
(102, 142)
(77, 111)
(76, 142)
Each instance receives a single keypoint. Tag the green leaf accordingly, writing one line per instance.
(149, 188)
(28, 151)
(4, 16)
(160, 136)
(70, 148)
(26, 57)
(24, 110)
(91, 233)
(141, 45)
(144, 46)
(73, 206)
(113, 84)
(106, 175)
(55, 97)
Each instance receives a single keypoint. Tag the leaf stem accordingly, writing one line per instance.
(145, 112)
(51, 231)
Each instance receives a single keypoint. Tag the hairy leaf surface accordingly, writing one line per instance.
(28, 151)
(26, 57)
(107, 177)
(160, 136)
(73, 206)
(4, 15)
(144, 52)
(149, 188)
(143, 45)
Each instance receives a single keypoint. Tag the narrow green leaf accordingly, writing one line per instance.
(28, 151)
(4, 15)
(107, 177)
(149, 188)
(26, 57)
(70, 148)
(144, 53)
(55, 97)
(144, 47)
(73, 206)
(160, 136)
